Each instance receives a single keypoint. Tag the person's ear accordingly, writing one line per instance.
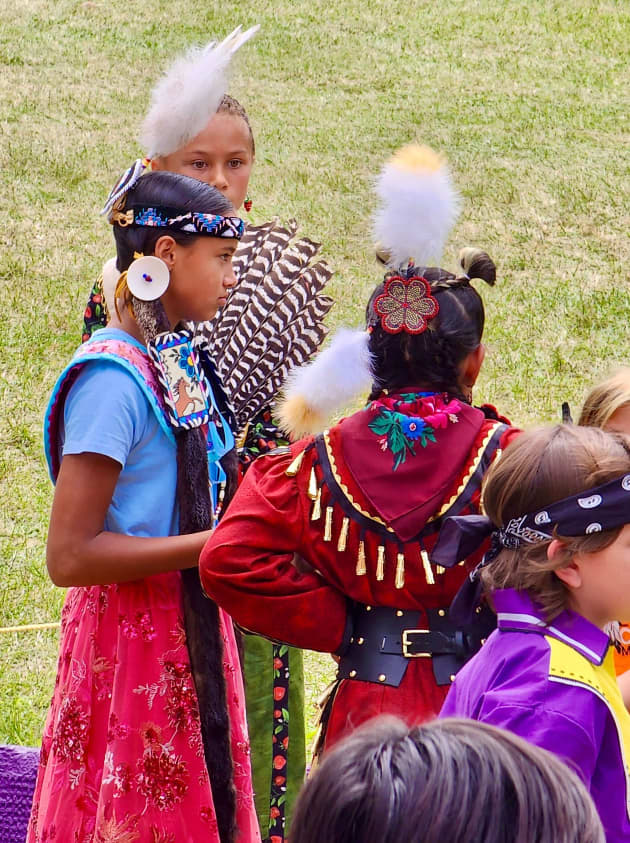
(570, 574)
(166, 249)
(471, 366)
(157, 164)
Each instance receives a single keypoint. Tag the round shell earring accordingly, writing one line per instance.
(148, 278)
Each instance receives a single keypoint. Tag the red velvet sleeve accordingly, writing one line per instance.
(247, 564)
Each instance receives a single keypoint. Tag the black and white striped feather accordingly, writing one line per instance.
(274, 317)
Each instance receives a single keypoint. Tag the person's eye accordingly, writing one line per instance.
(235, 163)
(198, 165)
(226, 257)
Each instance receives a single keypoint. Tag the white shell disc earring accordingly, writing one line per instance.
(148, 278)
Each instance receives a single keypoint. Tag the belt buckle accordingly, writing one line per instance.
(406, 643)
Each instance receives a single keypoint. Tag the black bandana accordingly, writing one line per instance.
(605, 507)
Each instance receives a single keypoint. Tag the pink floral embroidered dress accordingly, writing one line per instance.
(122, 756)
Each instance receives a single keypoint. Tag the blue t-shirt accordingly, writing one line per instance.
(106, 412)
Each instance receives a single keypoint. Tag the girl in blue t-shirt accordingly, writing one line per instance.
(132, 426)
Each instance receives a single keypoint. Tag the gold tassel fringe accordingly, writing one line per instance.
(380, 563)
(343, 535)
(295, 466)
(312, 484)
(328, 525)
(361, 567)
(428, 570)
(316, 514)
(400, 570)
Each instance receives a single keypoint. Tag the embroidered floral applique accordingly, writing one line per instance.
(162, 777)
(400, 432)
(140, 626)
(71, 733)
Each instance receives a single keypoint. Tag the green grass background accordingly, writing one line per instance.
(528, 98)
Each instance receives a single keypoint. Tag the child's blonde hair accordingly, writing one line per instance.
(604, 399)
(538, 469)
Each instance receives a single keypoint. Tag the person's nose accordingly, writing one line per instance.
(219, 179)
(229, 279)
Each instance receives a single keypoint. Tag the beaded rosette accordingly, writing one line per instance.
(406, 304)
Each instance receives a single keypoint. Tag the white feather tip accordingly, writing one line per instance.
(333, 379)
(418, 206)
(189, 94)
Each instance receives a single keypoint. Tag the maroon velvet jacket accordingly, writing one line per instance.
(332, 502)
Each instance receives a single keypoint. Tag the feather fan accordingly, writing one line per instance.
(273, 319)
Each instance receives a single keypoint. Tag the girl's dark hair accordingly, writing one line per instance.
(539, 468)
(201, 615)
(170, 190)
(446, 782)
(229, 105)
(432, 359)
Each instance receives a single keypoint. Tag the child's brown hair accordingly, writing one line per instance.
(538, 469)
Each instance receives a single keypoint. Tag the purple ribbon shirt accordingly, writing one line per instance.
(554, 685)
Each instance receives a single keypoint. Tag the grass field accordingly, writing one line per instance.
(529, 99)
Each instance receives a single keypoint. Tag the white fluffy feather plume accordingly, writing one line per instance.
(336, 376)
(418, 206)
(189, 94)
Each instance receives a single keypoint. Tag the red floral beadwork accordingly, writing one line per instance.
(71, 736)
(406, 304)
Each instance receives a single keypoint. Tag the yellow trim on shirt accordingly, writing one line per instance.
(570, 667)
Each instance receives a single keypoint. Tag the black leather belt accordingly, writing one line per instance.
(383, 640)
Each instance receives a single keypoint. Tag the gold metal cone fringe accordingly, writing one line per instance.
(293, 469)
(316, 514)
(428, 571)
(328, 525)
(400, 570)
(240, 442)
(343, 535)
(439, 569)
(380, 563)
(312, 484)
(361, 567)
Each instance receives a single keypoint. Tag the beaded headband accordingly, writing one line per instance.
(193, 222)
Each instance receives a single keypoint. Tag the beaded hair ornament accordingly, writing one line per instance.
(417, 208)
(406, 304)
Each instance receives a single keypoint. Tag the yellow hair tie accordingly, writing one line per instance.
(122, 290)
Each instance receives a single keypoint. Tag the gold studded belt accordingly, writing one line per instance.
(383, 641)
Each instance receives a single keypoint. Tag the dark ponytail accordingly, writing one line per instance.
(201, 615)
(432, 359)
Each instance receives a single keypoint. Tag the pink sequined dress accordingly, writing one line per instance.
(122, 756)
